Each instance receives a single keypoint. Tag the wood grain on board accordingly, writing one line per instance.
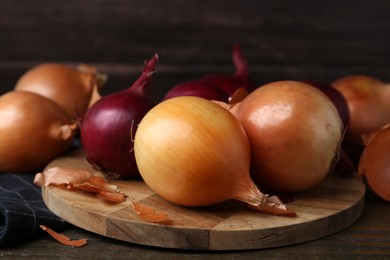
(335, 204)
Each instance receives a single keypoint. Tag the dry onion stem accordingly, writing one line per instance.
(274, 206)
(64, 239)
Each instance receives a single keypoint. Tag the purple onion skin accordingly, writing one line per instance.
(338, 99)
(227, 83)
(197, 89)
(239, 79)
(109, 126)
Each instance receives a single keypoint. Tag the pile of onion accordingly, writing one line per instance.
(374, 163)
(33, 131)
(217, 86)
(368, 101)
(295, 134)
(109, 126)
(72, 89)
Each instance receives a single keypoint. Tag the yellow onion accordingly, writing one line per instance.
(368, 102)
(33, 131)
(72, 89)
(295, 133)
(374, 163)
(192, 152)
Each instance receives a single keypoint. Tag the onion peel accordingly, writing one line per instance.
(150, 215)
(80, 179)
(64, 239)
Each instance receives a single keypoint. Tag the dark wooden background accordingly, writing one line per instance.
(302, 39)
(298, 39)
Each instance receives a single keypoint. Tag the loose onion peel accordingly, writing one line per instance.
(64, 239)
(95, 183)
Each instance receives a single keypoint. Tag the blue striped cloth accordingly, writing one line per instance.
(22, 210)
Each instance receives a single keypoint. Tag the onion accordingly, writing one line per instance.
(217, 87)
(108, 127)
(70, 88)
(33, 131)
(368, 101)
(197, 89)
(230, 83)
(374, 163)
(192, 152)
(338, 99)
(295, 133)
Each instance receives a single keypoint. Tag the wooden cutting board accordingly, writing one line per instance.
(335, 204)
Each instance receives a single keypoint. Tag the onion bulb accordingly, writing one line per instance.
(33, 131)
(374, 163)
(109, 126)
(295, 133)
(368, 101)
(70, 88)
(192, 152)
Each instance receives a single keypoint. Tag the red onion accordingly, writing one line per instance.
(338, 99)
(109, 126)
(230, 83)
(198, 89)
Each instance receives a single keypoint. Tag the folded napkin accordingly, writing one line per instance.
(22, 210)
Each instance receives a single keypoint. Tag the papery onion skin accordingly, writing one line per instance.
(295, 133)
(33, 131)
(197, 89)
(374, 163)
(368, 101)
(109, 126)
(192, 152)
(70, 88)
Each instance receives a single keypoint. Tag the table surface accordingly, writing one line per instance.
(298, 40)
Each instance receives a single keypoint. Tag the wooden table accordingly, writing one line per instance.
(282, 40)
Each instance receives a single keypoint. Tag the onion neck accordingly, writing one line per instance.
(386, 93)
(241, 64)
(142, 84)
(66, 132)
(95, 96)
(248, 192)
(89, 73)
